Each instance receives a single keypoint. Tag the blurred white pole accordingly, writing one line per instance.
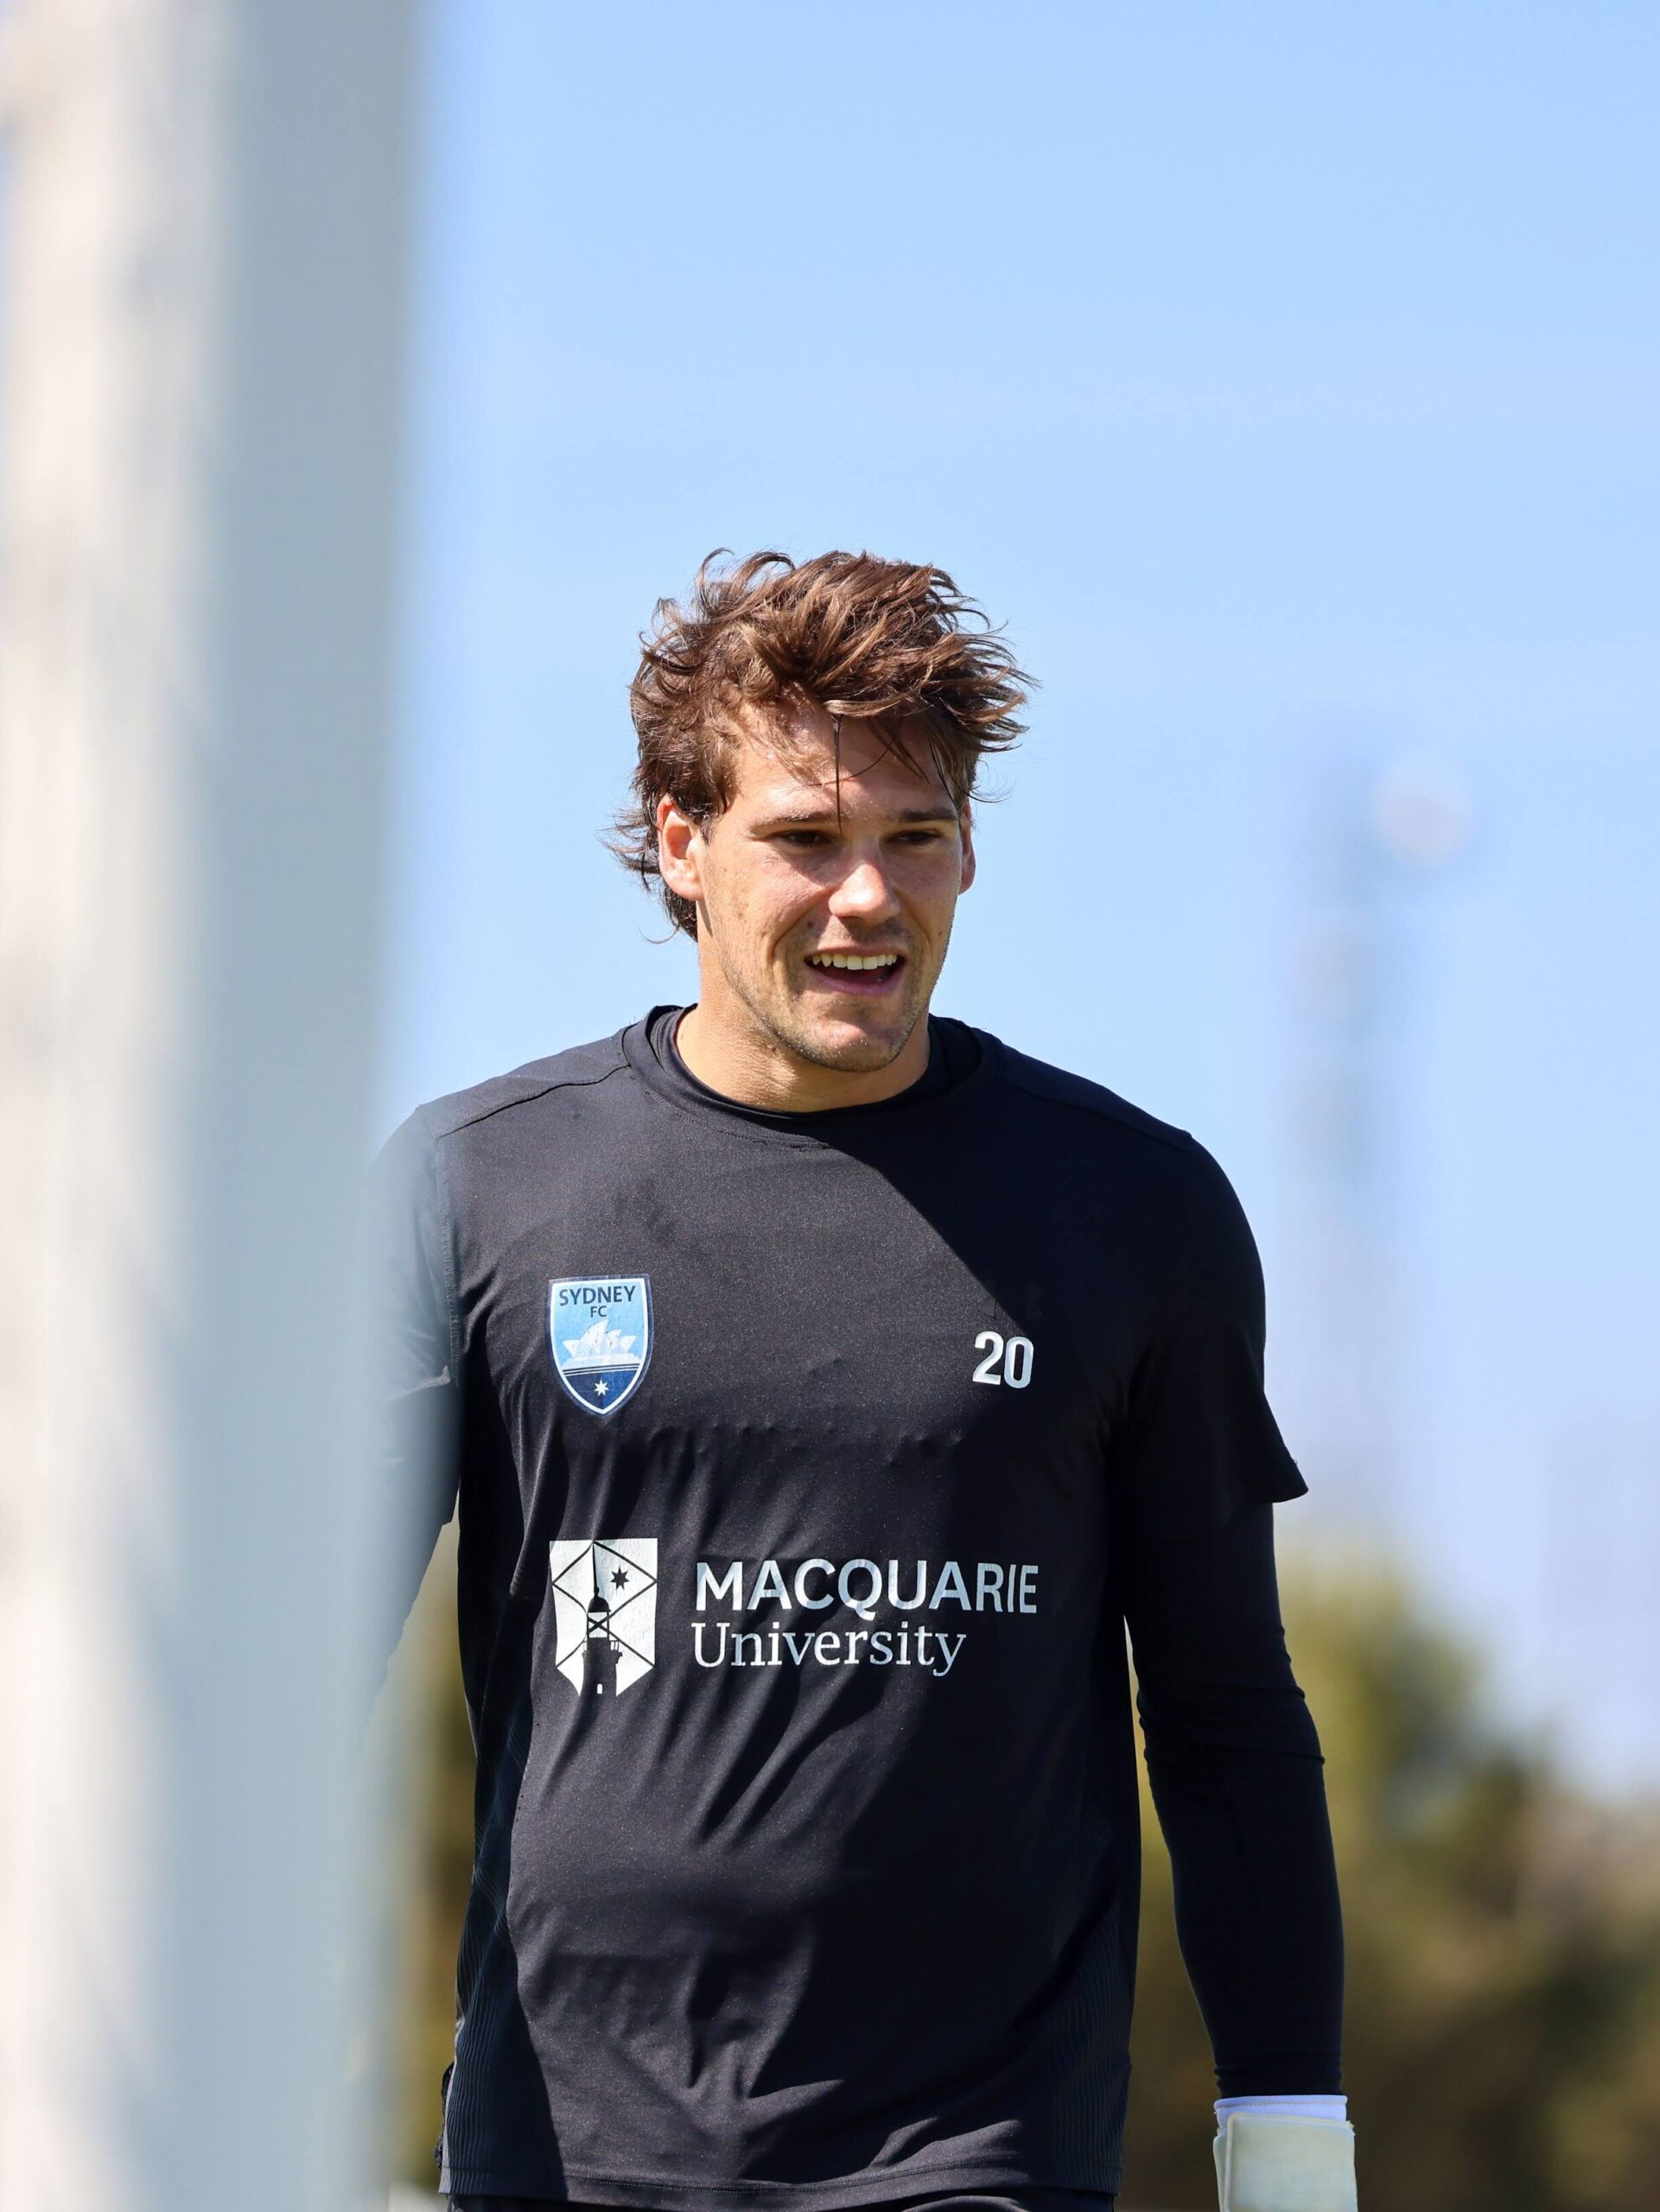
(204, 243)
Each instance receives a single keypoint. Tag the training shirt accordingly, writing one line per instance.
(809, 1467)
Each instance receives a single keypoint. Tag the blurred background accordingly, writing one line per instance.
(1284, 379)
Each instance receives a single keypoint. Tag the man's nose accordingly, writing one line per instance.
(863, 892)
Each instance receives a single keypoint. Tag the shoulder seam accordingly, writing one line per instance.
(529, 1097)
(1106, 1108)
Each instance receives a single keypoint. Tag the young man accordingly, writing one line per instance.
(825, 1387)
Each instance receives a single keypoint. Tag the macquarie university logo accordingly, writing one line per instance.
(604, 1611)
(600, 1330)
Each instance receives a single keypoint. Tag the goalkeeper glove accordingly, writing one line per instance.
(1265, 2163)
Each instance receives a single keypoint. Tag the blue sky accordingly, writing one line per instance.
(1285, 379)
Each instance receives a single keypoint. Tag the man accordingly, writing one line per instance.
(825, 1387)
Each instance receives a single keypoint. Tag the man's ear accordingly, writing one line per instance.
(679, 852)
(968, 849)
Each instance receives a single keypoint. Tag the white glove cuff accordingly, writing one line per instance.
(1277, 2107)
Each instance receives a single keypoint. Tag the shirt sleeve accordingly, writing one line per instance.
(417, 1443)
(1200, 1441)
(1238, 1783)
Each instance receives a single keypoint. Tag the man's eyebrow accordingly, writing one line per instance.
(818, 817)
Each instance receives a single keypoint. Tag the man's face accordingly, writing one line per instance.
(804, 872)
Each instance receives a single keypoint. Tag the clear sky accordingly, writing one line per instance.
(1285, 378)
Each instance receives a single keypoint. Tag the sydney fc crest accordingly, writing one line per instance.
(600, 1330)
(604, 1611)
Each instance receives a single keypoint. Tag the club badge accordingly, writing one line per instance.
(600, 1327)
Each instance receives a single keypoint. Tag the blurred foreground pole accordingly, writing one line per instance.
(204, 242)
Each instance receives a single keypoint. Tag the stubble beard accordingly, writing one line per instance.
(787, 1025)
(859, 1055)
(783, 1025)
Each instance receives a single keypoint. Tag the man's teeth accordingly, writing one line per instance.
(852, 959)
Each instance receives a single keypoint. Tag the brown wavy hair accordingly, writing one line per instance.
(862, 637)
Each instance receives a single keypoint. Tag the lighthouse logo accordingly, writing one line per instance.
(604, 1611)
(600, 1330)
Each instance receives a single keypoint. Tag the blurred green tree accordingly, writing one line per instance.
(437, 1866)
(1502, 2045)
(1503, 2019)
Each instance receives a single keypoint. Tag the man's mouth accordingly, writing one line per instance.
(861, 973)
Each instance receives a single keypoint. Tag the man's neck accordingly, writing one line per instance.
(742, 1063)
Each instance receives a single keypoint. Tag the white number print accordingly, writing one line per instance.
(1007, 1360)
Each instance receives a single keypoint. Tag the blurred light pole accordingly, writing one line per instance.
(1375, 831)
(203, 244)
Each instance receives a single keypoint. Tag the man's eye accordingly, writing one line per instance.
(918, 837)
(803, 840)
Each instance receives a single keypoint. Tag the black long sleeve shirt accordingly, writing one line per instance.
(810, 1468)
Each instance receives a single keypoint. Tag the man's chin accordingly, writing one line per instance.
(851, 1047)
